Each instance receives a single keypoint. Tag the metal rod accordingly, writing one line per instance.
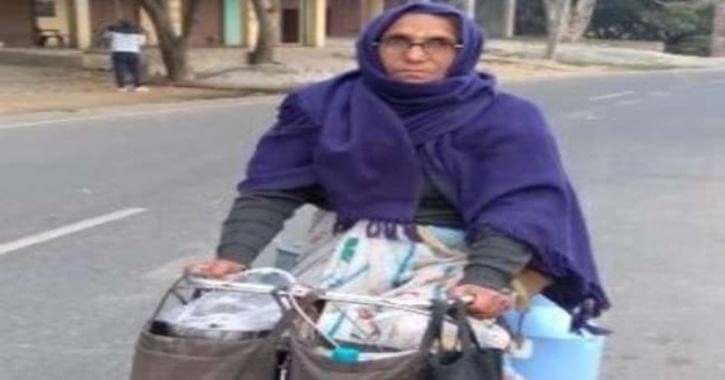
(413, 306)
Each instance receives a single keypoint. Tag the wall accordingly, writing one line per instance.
(208, 24)
(249, 24)
(393, 3)
(343, 18)
(291, 23)
(104, 13)
(232, 22)
(61, 21)
(16, 23)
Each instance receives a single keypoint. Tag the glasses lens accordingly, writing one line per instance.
(438, 46)
(396, 44)
(433, 46)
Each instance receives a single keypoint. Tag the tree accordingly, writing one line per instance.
(267, 11)
(534, 16)
(172, 44)
(530, 18)
(579, 19)
(684, 26)
(557, 19)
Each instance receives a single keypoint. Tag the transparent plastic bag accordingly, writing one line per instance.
(229, 315)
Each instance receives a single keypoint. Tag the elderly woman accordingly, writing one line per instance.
(432, 179)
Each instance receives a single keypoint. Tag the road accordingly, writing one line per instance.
(100, 209)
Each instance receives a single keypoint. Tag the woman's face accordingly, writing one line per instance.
(419, 48)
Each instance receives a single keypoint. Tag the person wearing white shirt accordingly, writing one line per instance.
(125, 42)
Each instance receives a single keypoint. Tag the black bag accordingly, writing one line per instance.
(469, 361)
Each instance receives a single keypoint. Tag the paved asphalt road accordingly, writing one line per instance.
(100, 209)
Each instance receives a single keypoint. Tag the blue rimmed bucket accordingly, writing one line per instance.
(550, 351)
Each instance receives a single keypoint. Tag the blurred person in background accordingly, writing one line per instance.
(125, 41)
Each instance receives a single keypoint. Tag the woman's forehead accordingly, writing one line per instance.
(424, 25)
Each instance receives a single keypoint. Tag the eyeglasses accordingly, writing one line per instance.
(432, 47)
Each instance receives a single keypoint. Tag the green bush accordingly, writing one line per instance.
(692, 45)
(684, 27)
(530, 18)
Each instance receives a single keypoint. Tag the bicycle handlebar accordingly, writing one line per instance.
(299, 290)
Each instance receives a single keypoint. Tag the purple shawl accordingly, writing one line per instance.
(369, 141)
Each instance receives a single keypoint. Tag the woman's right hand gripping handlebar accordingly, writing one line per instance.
(215, 268)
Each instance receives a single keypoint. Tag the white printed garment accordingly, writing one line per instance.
(399, 268)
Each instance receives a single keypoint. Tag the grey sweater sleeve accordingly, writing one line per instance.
(495, 260)
(254, 220)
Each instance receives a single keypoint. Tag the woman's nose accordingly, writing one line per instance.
(415, 53)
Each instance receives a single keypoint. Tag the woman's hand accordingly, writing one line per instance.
(487, 303)
(216, 269)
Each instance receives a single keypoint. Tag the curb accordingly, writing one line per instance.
(249, 88)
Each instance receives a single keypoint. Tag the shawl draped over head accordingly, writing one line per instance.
(369, 141)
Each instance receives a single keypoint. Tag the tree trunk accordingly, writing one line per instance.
(267, 37)
(174, 53)
(173, 47)
(557, 12)
(581, 16)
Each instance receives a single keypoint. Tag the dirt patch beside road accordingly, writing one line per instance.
(37, 89)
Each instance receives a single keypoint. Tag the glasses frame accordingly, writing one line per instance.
(457, 47)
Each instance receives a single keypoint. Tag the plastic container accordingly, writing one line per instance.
(346, 355)
(550, 351)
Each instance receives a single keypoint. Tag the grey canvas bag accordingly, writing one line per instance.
(307, 364)
(161, 357)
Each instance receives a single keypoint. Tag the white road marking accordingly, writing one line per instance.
(112, 116)
(720, 81)
(630, 102)
(611, 96)
(583, 114)
(67, 230)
